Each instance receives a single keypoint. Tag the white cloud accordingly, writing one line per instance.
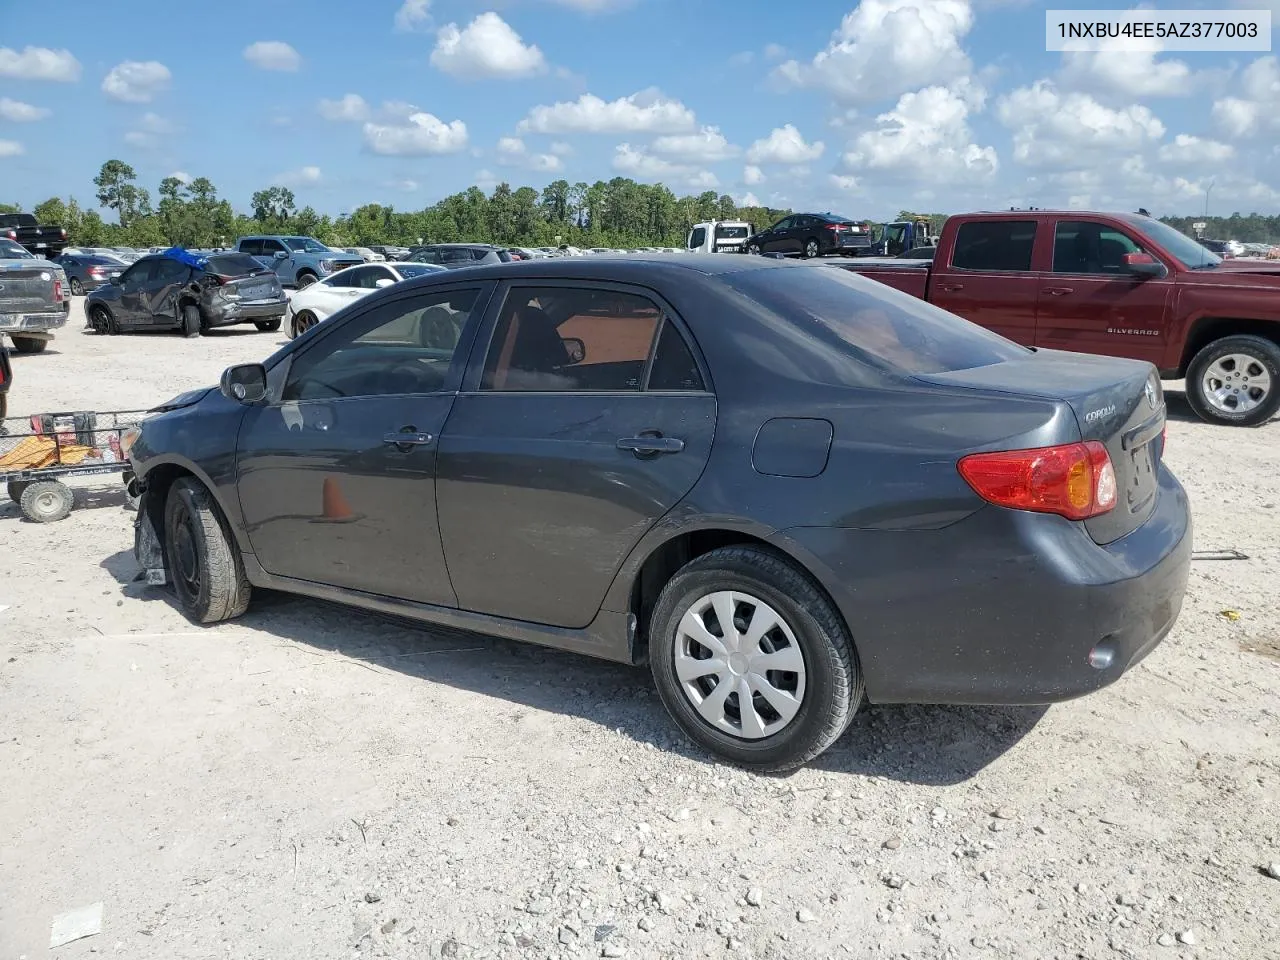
(1063, 130)
(843, 182)
(406, 185)
(774, 51)
(273, 55)
(136, 82)
(486, 48)
(351, 107)
(708, 145)
(885, 47)
(413, 15)
(639, 163)
(1255, 111)
(397, 109)
(784, 145)
(748, 199)
(513, 152)
(647, 111)
(1188, 150)
(181, 175)
(39, 63)
(302, 177)
(18, 112)
(420, 135)
(485, 179)
(1126, 73)
(925, 136)
(560, 148)
(11, 148)
(149, 131)
(702, 180)
(752, 175)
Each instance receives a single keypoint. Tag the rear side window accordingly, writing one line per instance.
(884, 327)
(673, 365)
(234, 265)
(567, 339)
(251, 248)
(1003, 245)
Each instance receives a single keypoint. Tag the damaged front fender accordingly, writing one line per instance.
(147, 547)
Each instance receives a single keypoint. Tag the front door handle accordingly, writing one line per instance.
(408, 437)
(651, 445)
(1057, 291)
(952, 287)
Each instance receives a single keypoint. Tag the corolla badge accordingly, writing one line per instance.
(1094, 415)
(1151, 394)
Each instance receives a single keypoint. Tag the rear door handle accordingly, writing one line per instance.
(1057, 291)
(651, 446)
(952, 287)
(408, 438)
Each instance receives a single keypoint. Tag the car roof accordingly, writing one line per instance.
(624, 268)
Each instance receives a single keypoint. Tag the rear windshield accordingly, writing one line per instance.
(443, 255)
(13, 251)
(731, 233)
(885, 327)
(417, 269)
(234, 265)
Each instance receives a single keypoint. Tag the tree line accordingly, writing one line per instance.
(614, 213)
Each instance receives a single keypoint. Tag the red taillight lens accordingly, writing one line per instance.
(57, 289)
(64, 234)
(1075, 480)
(95, 270)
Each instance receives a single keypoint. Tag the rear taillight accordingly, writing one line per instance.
(64, 234)
(834, 227)
(96, 271)
(57, 289)
(1075, 480)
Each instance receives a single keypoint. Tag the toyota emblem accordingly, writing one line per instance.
(1151, 394)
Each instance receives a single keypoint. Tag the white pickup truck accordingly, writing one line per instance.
(34, 298)
(719, 236)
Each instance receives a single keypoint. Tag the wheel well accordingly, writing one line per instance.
(159, 480)
(1209, 329)
(666, 560)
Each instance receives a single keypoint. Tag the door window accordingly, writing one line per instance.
(785, 224)
(270, 247)
(1080, 246)
(1003, 245)
(252, 247)
(697, 238)
(347, 279)
(137, 275)
(403, 347)
(567, 339)
(673, 365)
(168, 270)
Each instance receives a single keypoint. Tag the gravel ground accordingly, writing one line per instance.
(315, 782)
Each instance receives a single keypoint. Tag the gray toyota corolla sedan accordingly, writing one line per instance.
(783, 488)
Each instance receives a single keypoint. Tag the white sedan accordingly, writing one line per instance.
(320, 300)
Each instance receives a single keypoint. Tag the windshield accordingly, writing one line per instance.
(14, 251)
(1187, 251)
(731, 233)
(885, 327)
(307, 245)
(407, 270)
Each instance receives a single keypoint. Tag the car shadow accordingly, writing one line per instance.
(933, 746)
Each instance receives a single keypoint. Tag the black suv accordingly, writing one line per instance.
(813, 235)
(189, 292)
(454, 255)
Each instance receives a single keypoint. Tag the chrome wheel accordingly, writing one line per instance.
(1236, 383)
(811, 249)
(739, 664)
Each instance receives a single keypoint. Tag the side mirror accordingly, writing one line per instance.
(384, 282)
(1143, 265)
(244, 383)
(280, 255)
(114, 281)
(576, 349)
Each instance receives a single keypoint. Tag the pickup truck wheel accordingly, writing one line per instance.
(29, 344)
(1235, 381)
(46, 501)
(810, 249)
(752, 661)
(268, 326)
(190, 320)
(77, 288)
(203, 560)
(304, 280)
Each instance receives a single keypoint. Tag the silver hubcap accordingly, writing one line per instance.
(46, 503)
(739, 664)
(1236, 383)
(812, 249)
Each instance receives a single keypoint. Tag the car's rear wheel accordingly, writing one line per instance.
(304, 280)
(268, 326)
(29, 344)
(752, 660)
(1236, 381)
(810, 249)
(77, 288)
(204, 562)
(101, 322)
(190, 320)
(753, 249)
(302, 322)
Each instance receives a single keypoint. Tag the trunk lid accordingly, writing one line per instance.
(256, 286)
(1117, 402)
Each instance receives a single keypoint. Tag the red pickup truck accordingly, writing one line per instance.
(1124, 285)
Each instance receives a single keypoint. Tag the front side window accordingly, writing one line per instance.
(1080, 246)
(345, 279)
(1003, 245)
(403, 347)
(571, 339)
(167, 269)
(785, 224)
(272, 247)
(697, 238)
(138, 274)
(307, 245)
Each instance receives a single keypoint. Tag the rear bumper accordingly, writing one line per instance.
(30, 323)
(225, 313)
(1003, 607)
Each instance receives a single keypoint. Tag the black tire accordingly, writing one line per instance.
(302, 322)
(268, 326)
(304, 279)
(203, 561)
(753, 249)
(101, 322)
(833, 684)
(77, 288)
(1260, 351)
(190, 320)
(15, 488)
(29, 344)
(811, 249)
(46, 501)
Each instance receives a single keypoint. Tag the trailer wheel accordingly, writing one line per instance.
(47, 501)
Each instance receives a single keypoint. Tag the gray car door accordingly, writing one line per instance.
(584, 419)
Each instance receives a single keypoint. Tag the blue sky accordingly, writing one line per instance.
(862, 108)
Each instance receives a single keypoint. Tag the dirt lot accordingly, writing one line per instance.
(314, 782)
